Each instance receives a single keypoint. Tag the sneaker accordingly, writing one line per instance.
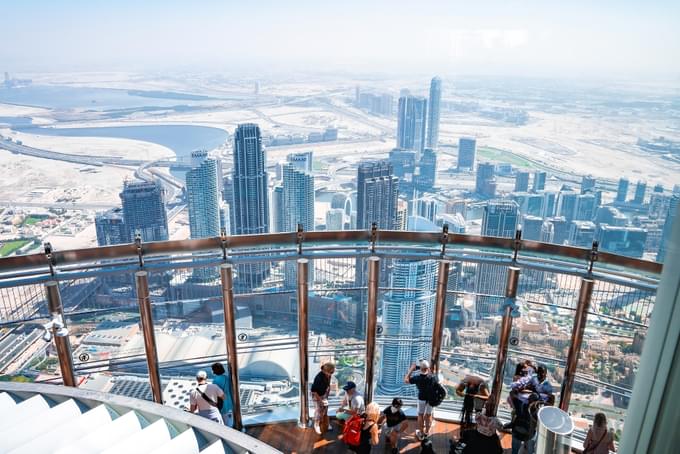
(419, 434)
(317, 429)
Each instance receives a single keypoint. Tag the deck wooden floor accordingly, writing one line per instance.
(288, 438)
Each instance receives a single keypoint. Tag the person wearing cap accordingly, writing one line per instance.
(352, 404)
(425, 383)
(320, 390)
(203, 398)
(395, 423)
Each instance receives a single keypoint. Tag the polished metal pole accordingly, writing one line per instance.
(62, 343)
(142, 283)
(439, 314)
(504, 338)
(371, 324)
(226, 274)
(580, 319)
(303, 338)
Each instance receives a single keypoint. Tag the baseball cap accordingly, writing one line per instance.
(201, 375)
(349, 385)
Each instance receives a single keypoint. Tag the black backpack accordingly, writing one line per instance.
(437, 394)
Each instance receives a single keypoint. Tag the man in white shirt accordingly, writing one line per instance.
(203, 398)
(352, 404)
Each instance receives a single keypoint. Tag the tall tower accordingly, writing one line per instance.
(111, 228)
(467, 149)
(522, 182)
(500, 219)
(588, 184)
(433, 114)
(671, 217)
(144, 210)
(425, 180)
(251, 204)
(622, 190)
(539, 181)
(640, 191)
(377, 193)
(408, 318)
(485, 181)
(203, 204)
(411, 123)
(298, 207)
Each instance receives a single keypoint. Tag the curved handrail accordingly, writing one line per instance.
(131, 250)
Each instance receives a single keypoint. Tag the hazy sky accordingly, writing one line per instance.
(541, 38)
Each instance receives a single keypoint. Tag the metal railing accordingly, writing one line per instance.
(519, 257)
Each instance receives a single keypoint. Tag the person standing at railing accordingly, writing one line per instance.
(475, 392)
(204, 398)
(599, 439)
(425, 382)
(223, 381)
(320, 390)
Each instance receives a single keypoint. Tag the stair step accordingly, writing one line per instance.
(216, 448)
(67, 431)
(28, 408)
(185, 442)
(93, 442)
(7, 404)
(141, 442)
(18, 433)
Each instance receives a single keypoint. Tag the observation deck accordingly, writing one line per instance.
(140, 319)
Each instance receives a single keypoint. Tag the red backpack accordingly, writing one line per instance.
(351, 434)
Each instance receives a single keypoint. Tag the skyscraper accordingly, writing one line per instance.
(407, 320)
(427, 175)
(467, 149)
(298, 207)
(586, 205)
(228, 197)
(566, 204)
(144, 210)
(203, 204)
(671, 218)
(411, 123)
(522, 181)
(532, 227)
(277, 209)
(500, 219)
(251, 202)
(335, 219)
(302, 161)
(377, 192)
(640, 191)
(485, 181)
(581, 233)
(404, 166)
(433, 115)
(539, 181)
(622, 191)
(111, 228)
(628, 241)
(587, 184)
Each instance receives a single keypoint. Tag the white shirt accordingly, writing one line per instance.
(356, 404)
(210, 390)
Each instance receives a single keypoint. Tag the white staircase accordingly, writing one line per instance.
(54, 419)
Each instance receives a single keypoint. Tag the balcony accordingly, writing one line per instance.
(140, 319)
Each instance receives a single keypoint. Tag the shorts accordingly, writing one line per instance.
(388, 430)
(424, 408)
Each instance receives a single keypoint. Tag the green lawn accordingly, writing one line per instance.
(496, 154)
(30, 220)
(9, 247)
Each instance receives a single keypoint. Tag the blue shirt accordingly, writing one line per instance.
(223, 382)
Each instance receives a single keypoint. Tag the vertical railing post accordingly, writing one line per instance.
(142, 284)
(62, 343)
(504, 338)
(439, 314)
(303, 338)
(371, 324)
(580, 319)
(226, 275)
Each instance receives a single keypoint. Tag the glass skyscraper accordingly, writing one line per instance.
(377, 193)
(251, 202)
(426, 178)
(433, 114)
(671, 217)
(144, 210)
(500, 219)
(411, 123)
(467, 149)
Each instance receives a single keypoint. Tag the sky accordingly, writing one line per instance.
(636, 39)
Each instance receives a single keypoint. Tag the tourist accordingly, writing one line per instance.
(395, 423)
(542, 386)
(320, 390)
(472, 389)
(484, 440)
(425, 383)
(352, 404)
(524, 424)
(599, 439)
(203, 399)
(370, 432)
(223, 381)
